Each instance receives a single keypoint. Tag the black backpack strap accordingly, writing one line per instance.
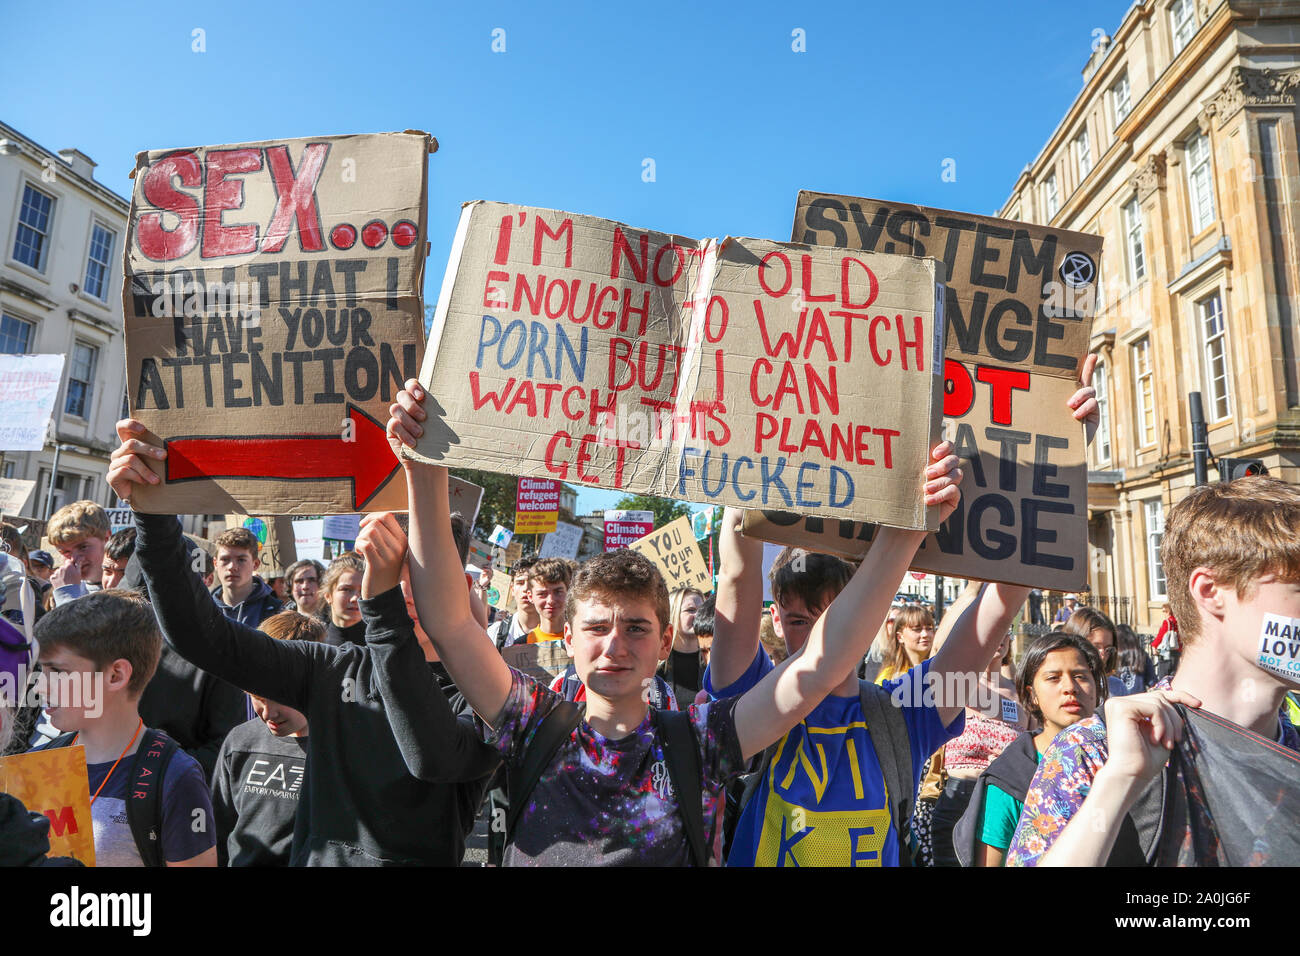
(682, 755)
(889, 738)
(144, 802)
(553, 732)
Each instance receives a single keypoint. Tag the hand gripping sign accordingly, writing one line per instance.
(273, 311)
(1019, 301)
(735, 371)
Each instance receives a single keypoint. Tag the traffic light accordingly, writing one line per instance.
(1230, 468)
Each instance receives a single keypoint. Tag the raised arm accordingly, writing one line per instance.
(437, 576)
(189, 618)
(840, 637)
(974, 636)
(739, 602)
(435, 744)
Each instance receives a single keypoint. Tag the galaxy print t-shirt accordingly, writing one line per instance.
(606, 802)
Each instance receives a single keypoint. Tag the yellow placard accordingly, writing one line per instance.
(53, 782)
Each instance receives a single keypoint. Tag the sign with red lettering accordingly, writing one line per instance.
(54, 782)
(537, 505)
(733, 371)
(622, 528)
(273, 310)
(1019, 306)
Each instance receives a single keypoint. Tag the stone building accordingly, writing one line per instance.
(1181, 151)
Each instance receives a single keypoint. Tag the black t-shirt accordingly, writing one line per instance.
(255, 793)
(687, 679)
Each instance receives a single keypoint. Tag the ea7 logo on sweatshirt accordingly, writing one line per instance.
(272, 777)
(75, 908)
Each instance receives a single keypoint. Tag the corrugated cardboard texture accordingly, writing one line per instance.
(1020, 301)
(273, 310)
(739, 371)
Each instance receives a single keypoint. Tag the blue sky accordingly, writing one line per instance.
(734, 119)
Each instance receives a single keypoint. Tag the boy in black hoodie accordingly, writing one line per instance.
(360, 806)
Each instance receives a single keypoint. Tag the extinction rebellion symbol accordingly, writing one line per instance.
(1077, 269)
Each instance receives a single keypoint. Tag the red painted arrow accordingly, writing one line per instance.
(367, 460)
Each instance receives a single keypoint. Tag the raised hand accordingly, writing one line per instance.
(942, 480)
(383, 545)
(407, 412)
(127, 465)
(1084, 401)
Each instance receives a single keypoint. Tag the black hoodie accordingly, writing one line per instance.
(359, 805)
(1012, 771)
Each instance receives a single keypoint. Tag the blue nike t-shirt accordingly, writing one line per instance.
(823, 801)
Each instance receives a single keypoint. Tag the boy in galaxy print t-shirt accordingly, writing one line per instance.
(606, 797)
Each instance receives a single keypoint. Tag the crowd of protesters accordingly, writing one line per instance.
(363, 713)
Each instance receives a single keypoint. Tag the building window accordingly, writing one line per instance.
(1102, 445)
(11, 467)
(1053, 197)
(15, 335)
(31, 243)
(1182, 15)
(97, 263)
(1199, 182)
(1155, 515)
(81, 379)
(1083, 153)
(1146, 397)
(1214, 336)
(1137, 261)
(1119, 99)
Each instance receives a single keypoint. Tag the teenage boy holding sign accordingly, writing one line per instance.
(607, 793)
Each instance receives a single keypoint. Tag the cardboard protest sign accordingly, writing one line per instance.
(465, 497)
(545, 661)
(275, 535)
(29, 387)
(500, 594)
(273, 310)
(624, 527)
(514, 551)
(14, 493)
(54, 782)
(119, 518)
(1019, 305)
(563, 542)
(341, 527)
(735, 371)
(480, 553)
(674, 550)
(537, 505)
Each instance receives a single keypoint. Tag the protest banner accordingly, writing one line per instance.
(465, 497)
(309, 539)
(273, 310)
(119, 518)
(500, 594)
(14, 493)
(735, 371)
(544, 661)
(514, 551)
(500, 536)
(29, 387)
(341, 527)
(674, 550)
(54, 782)
(480, 553)
(537, 505)
(275, 535)
(624, 527)
(563, 542)
(1019, 306)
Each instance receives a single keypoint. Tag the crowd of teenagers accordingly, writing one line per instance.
(374, 719)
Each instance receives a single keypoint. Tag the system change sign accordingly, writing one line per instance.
(537, 505)
(273, 310)
(625, 528)
(1018, 311)
(733, 371)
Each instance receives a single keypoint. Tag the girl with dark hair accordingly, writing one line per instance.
(1099, 631)
(1061, 681)
(1134, 672)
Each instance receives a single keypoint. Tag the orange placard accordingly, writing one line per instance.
(53, 782)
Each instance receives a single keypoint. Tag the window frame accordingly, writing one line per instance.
(1135, 258)
(1051, 195)
(1083, 153)
(107, 264)
(1153, 516)
(1207, 341)
(1190, 22)
(1144, 392)
(1196, 165)
(1115, 99)
(31, 328)
(1101, 383)
(43, 260)
(88, 395)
